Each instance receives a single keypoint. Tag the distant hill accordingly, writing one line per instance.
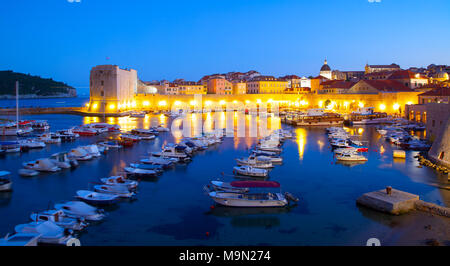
(33, 86)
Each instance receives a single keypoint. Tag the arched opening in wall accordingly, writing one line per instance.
(411, 115)
(418, 116)
(424, 117)
(441, 155)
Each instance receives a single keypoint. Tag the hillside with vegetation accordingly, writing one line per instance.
(33, 86)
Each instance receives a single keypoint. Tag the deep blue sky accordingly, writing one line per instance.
(187, 39)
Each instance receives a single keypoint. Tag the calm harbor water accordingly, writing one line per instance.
(174, 210)
(50, 102)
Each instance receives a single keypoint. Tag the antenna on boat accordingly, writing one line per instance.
(17, 105)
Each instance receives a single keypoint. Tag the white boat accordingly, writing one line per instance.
(140, 172)
(269, 147)
(145, 134)
(50, 138)
(120, 181)
(172, 152)
(165, 162)
(92, 150)
(350, 157)
(137, 114)
(78, 209)
(255, 162)
(250, 171)
(42, 165)
(161, 128)
(28, 172)
(233, 199)
(96, 198)
(61, 160)
(79, 154)
(32, 144)
(272, 159)
(120, 191)
(20, 240)
(9, 146)
(67, 135)
(59, 218)
(5, 181)
(50, 233)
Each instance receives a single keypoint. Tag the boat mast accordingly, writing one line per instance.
(17, 104)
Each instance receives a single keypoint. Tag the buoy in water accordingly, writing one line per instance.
(211, 207)
(207, 233)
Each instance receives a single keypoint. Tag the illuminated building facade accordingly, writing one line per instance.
(266, 85)
(112, 89)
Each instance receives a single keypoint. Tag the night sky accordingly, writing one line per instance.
(189, 39)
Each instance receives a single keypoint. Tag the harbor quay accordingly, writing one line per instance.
(392, 103)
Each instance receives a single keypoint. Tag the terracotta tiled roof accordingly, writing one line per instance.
(340, 84)
(388, 85)
(442, 91)
(403, 74)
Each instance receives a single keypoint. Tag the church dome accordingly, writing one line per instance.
(325, 67)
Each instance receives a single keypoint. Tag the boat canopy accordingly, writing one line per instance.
(255, 184)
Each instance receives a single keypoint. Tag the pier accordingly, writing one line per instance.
(397, 202)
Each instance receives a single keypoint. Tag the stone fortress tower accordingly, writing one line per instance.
(112, 89)
(440, 151)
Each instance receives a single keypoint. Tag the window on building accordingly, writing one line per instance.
(441, 155)
(433, 123)
(102, 83)
(102, 93)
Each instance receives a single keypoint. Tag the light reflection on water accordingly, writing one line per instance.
(173, 210)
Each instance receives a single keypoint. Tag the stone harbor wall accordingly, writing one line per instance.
(440, 150)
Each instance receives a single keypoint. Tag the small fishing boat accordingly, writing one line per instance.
(272, 159)
(67, 135)
(172, 152)
(120, 191)
(79, 154)
(155, 167)
(59, 218)
(5, 181)
(96, 198)
(250, 171)
(350, 157)
(50, 138)
(161, 128)
(40, 125)
(62, 161)
(145, 134)
(50, 233)
(79, 209)
(10, 146)
(31, 144)
(42, 165)
(28, 172)
(140, 172)
(137, 114)
(255, 162)
(269, 147)
(251, 199)
(110, 144)
(92, 150)
(120, 181)
(164, 162)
